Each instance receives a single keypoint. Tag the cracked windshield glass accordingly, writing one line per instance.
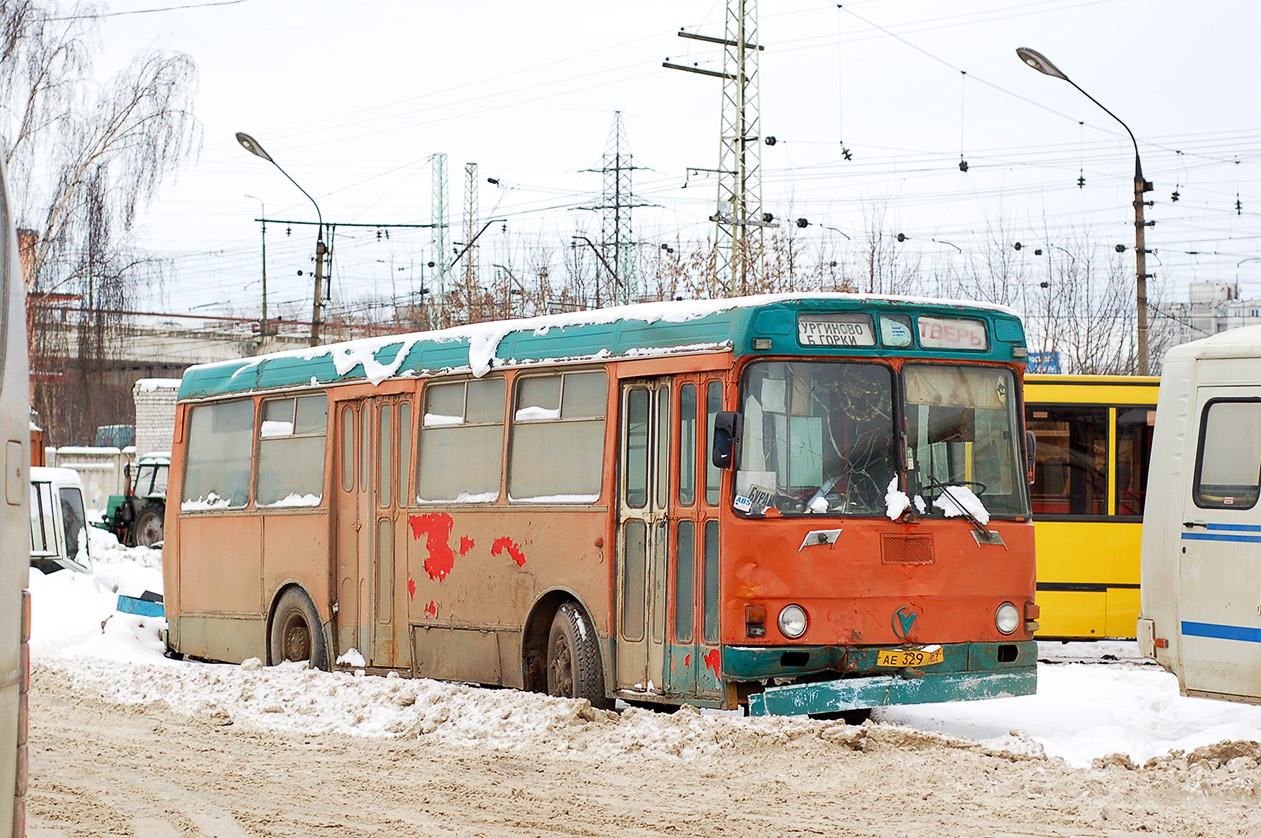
(819, 439)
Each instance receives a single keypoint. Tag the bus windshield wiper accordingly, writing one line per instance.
(983, 532)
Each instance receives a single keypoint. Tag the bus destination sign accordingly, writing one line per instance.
(835, 330)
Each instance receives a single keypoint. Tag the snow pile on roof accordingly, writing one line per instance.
(1085, 714)
(484, 338)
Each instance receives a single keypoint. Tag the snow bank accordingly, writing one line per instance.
(1122, 712)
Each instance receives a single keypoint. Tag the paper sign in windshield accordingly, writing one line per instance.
(835, 330)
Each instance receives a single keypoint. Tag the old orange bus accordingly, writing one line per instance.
(800, 504)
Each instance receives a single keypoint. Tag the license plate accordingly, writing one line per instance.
(927, 656)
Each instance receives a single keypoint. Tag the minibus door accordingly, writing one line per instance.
(1219, 596)
(643, 536)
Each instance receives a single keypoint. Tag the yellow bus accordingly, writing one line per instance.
(809, 504)
(1094, 439)
(15, 529)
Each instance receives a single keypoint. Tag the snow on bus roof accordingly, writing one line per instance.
(475, 347)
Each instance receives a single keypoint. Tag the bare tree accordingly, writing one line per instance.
(88, 157)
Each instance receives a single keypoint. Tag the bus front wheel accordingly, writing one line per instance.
(573, 658)
(296, 634)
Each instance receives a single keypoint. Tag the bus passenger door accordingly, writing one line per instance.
(375, 523)
(1219, 596)
(390, 469)
(350, 619)
(643, 536)
(692, 654)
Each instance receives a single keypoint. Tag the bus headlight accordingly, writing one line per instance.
(792, 621)
(1007, 618)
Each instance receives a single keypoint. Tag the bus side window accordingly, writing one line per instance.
(1134, 445)
(1070, 475)
(558, 419)
(291, 451)
(218, 458)
(461, 441)
(1228, 466)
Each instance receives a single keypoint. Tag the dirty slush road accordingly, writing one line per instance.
(104, 769)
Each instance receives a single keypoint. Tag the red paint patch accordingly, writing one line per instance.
(436, 527)
(687, 660)
(411, 587)
(431, 610)
(711, 661)
(514, 550)
(466, 544)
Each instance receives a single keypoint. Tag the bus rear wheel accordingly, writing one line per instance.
(573, 658)
(296, 633)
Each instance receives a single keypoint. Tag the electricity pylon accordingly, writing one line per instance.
(738, 216)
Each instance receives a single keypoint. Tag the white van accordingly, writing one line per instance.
(59, 527)
(1201, 561)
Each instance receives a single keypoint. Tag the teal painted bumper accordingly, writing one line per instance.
(884, 690)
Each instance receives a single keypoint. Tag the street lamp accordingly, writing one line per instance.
(252, 146)
(1042, 64)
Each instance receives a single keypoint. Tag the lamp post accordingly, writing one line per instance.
(252, 146)
(262, 210)
(1042, 64)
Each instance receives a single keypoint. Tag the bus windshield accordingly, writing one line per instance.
(962, 430)
(820, 438)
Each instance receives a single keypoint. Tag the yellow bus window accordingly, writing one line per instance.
(1070, 476)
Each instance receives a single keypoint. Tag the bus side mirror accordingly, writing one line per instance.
(726, 438)
(1031, 452)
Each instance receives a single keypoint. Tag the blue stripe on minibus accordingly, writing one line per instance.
(1220, 632)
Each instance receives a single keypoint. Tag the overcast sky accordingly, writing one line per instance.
(353, 99)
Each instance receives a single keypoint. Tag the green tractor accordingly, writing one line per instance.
(135, 517)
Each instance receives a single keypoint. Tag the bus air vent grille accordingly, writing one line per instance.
(896, 548)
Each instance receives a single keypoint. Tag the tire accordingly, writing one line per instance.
(147, 531)
(574, 669)
(296, 631)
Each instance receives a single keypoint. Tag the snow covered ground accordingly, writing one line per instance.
(1083, 711)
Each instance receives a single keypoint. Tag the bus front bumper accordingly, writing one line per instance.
(884, 690)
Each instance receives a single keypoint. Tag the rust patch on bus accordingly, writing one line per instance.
(514, 550)
(436, 527)
(466, 544)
